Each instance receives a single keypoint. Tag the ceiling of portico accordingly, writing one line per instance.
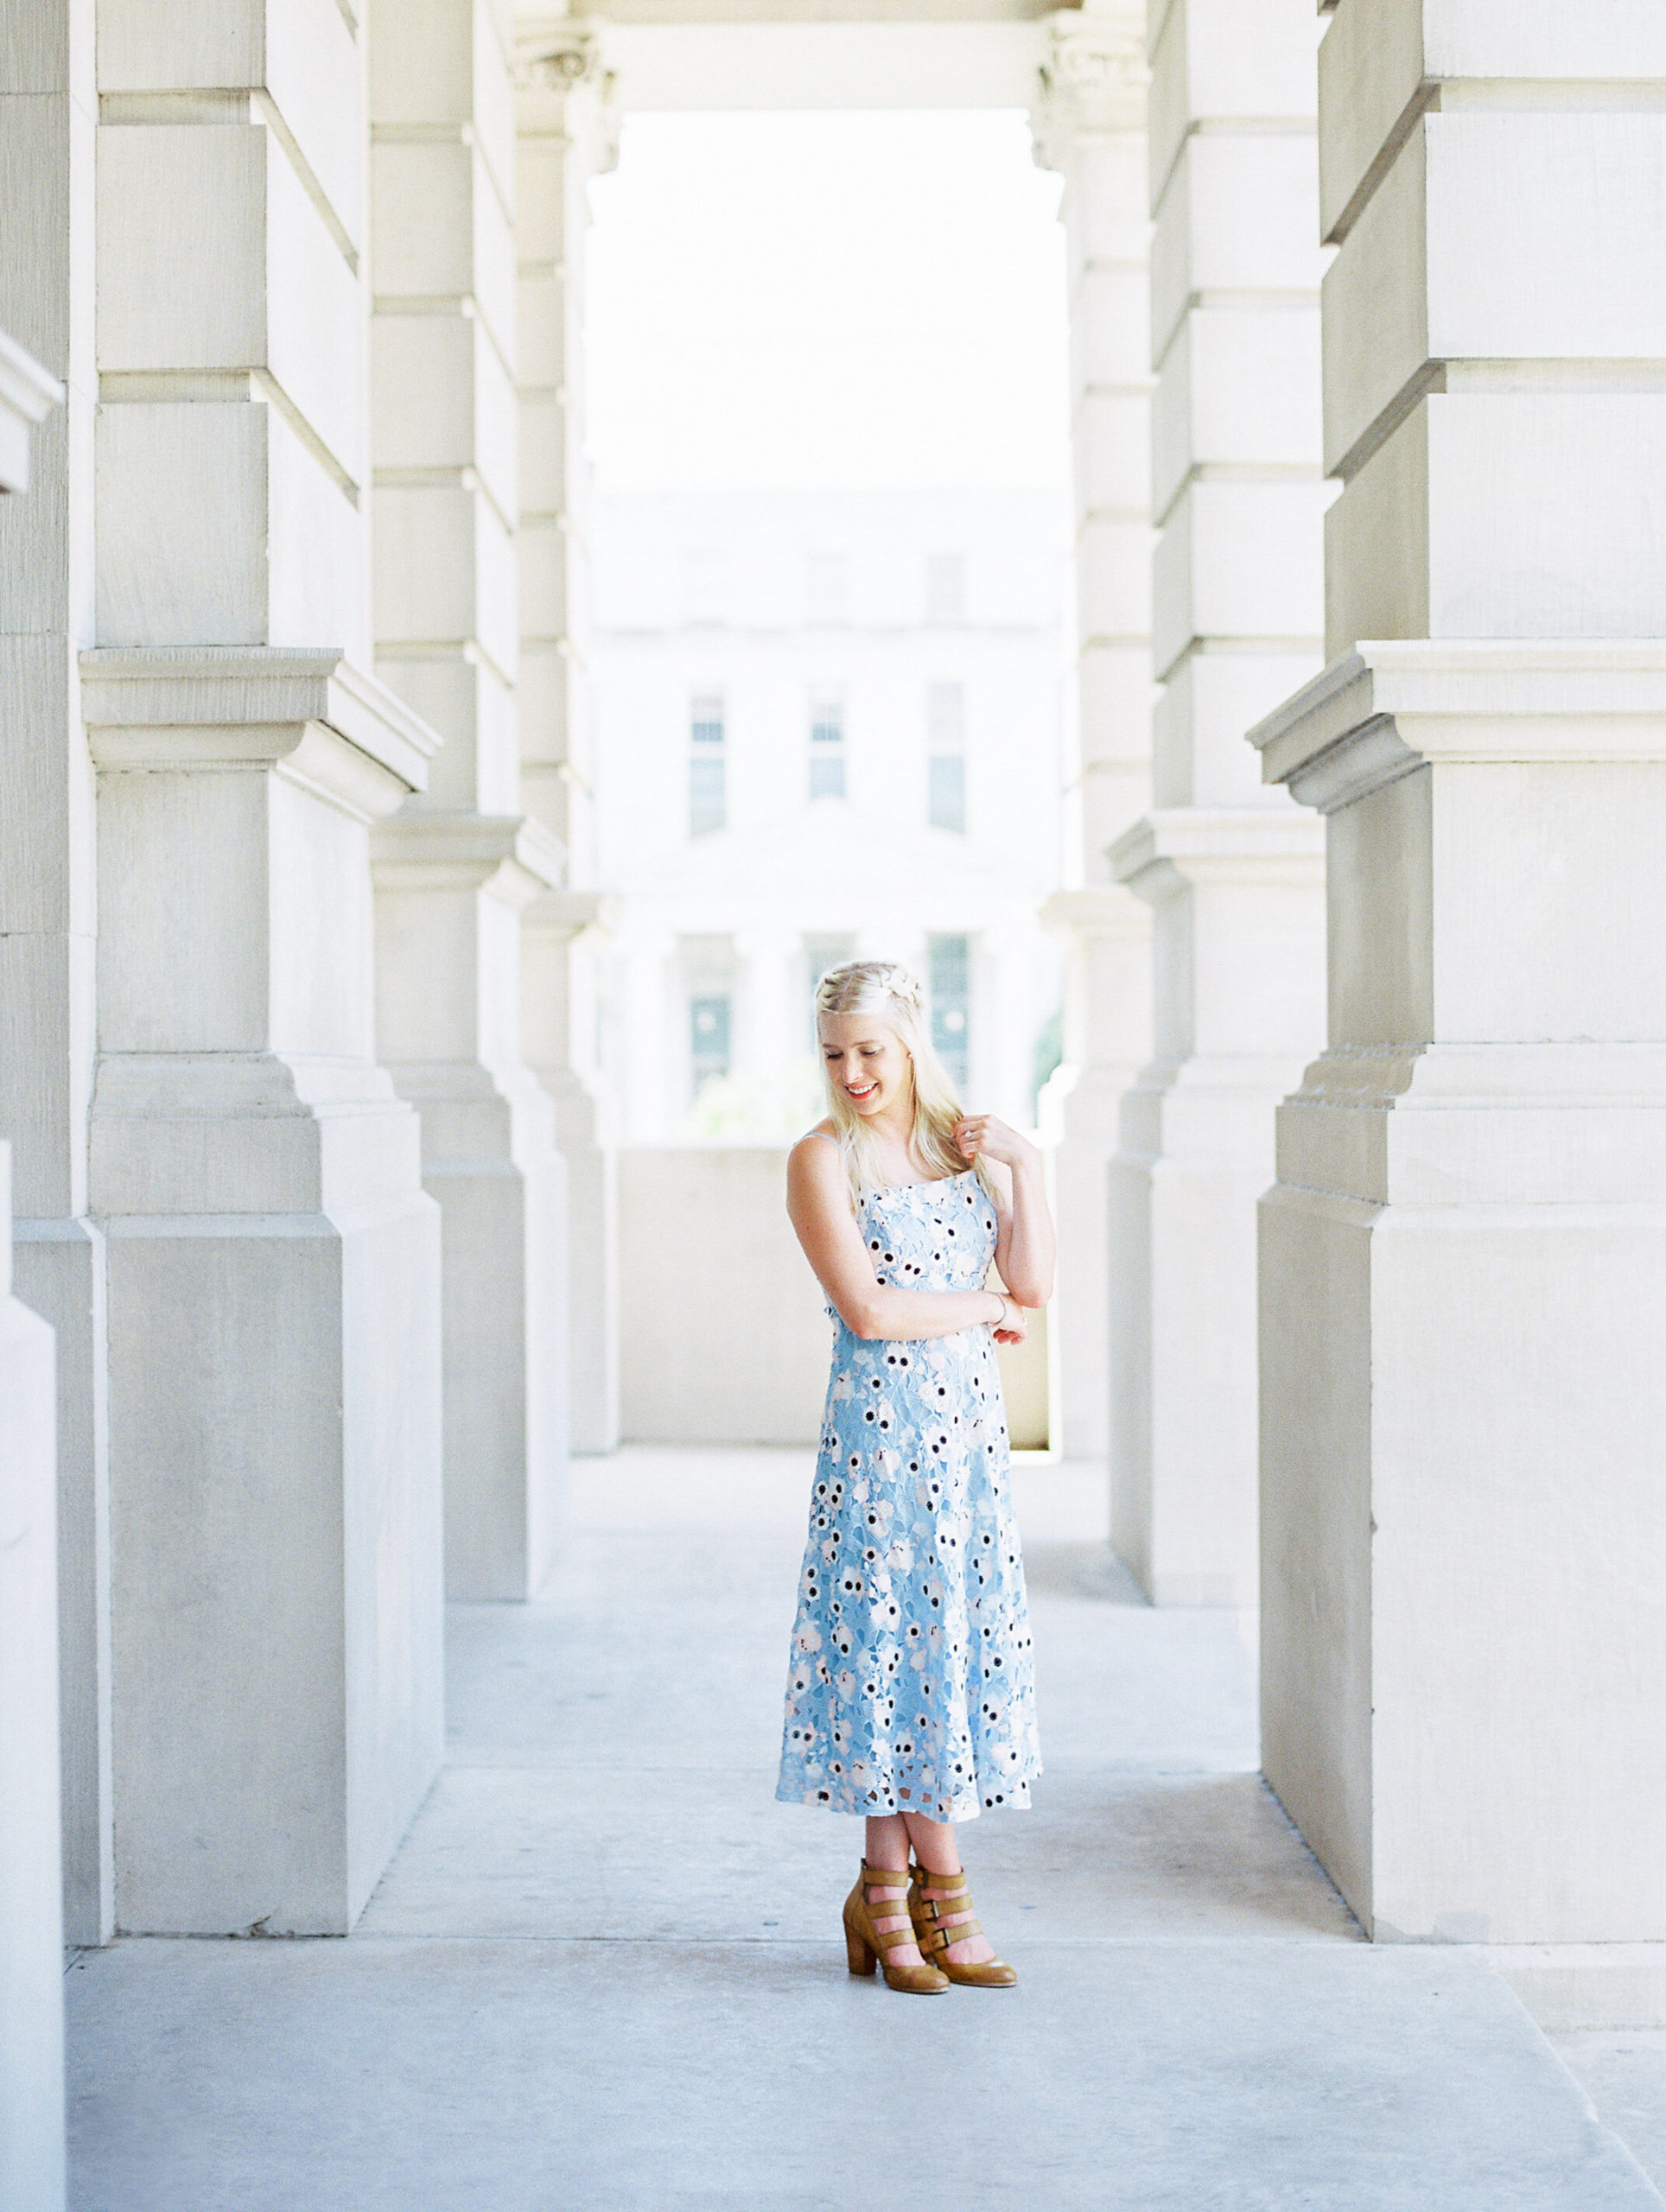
(780, 54)
(776, 12)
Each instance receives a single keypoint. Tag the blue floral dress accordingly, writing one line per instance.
(910, 1686)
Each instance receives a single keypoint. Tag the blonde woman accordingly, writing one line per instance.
(909, 1696)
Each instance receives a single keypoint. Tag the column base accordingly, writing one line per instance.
(1194, 1158)
(278, 1710)
(58, 1268)
(491, 1165)
(592, 1164)
(1077, 1114)
(31, 1880)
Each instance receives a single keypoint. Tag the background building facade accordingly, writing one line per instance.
(829, 726)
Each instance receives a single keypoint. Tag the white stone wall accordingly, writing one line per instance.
(748, 1365)
(1463, 1263)
(31, 1841)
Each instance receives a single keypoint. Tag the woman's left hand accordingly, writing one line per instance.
(984, 1133)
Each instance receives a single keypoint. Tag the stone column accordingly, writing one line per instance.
(1464, 1261)
(1091, 123)
(273, 1262)
(1008, 997)
(567, 135)
(770, 1040)
(33, 1859)
(456, 869)
(31, 1877)
(1234, 874)
(48, 109)
(558, 1010)
(645, 963)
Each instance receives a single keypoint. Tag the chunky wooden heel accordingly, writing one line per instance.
(936, 1927)
(860, 1958)
(866, 1946)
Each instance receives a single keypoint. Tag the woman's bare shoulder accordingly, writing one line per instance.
(815, 1170)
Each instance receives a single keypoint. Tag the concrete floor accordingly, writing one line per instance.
(605, 1974)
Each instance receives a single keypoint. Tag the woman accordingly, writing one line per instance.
(909, 1696)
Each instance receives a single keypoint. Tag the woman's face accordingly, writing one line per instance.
(866, 1061)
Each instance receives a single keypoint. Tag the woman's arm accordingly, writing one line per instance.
(1025, 1247)
(818, 1204)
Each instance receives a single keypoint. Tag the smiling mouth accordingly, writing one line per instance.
(866, 1092)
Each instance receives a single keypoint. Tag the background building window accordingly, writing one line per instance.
(708, 793)
(709, 1038)
(946, 587)
(945, 730)
(826, 588)
(826, 745)
(948, 969)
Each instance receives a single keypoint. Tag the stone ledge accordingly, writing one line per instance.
(423, 850)
(1393, 706)
(332, 729)
(1095, 910)
(1171, 847)
(569, 912)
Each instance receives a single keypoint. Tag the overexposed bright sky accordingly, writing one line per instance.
(842, 300)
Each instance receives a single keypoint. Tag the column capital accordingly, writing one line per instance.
(1093, 79)
(559, 57)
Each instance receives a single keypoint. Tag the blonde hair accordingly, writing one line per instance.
(885, 990)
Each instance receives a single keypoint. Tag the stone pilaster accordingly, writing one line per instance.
(273, 1263)
(1464, 1263)
(567, 131)
(31, 1879)
(457, 869)
(559, 1014)
(48, 108)
(1089, 123)
(274, 1295)
(452, 889)
(1233, 874)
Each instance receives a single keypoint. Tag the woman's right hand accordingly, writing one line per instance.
(1013, 1325)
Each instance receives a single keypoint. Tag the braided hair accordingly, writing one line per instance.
(886, 989)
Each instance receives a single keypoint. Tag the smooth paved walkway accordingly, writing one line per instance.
(605, 1973)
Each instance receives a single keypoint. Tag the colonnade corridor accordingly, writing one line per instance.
(604, 1973)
